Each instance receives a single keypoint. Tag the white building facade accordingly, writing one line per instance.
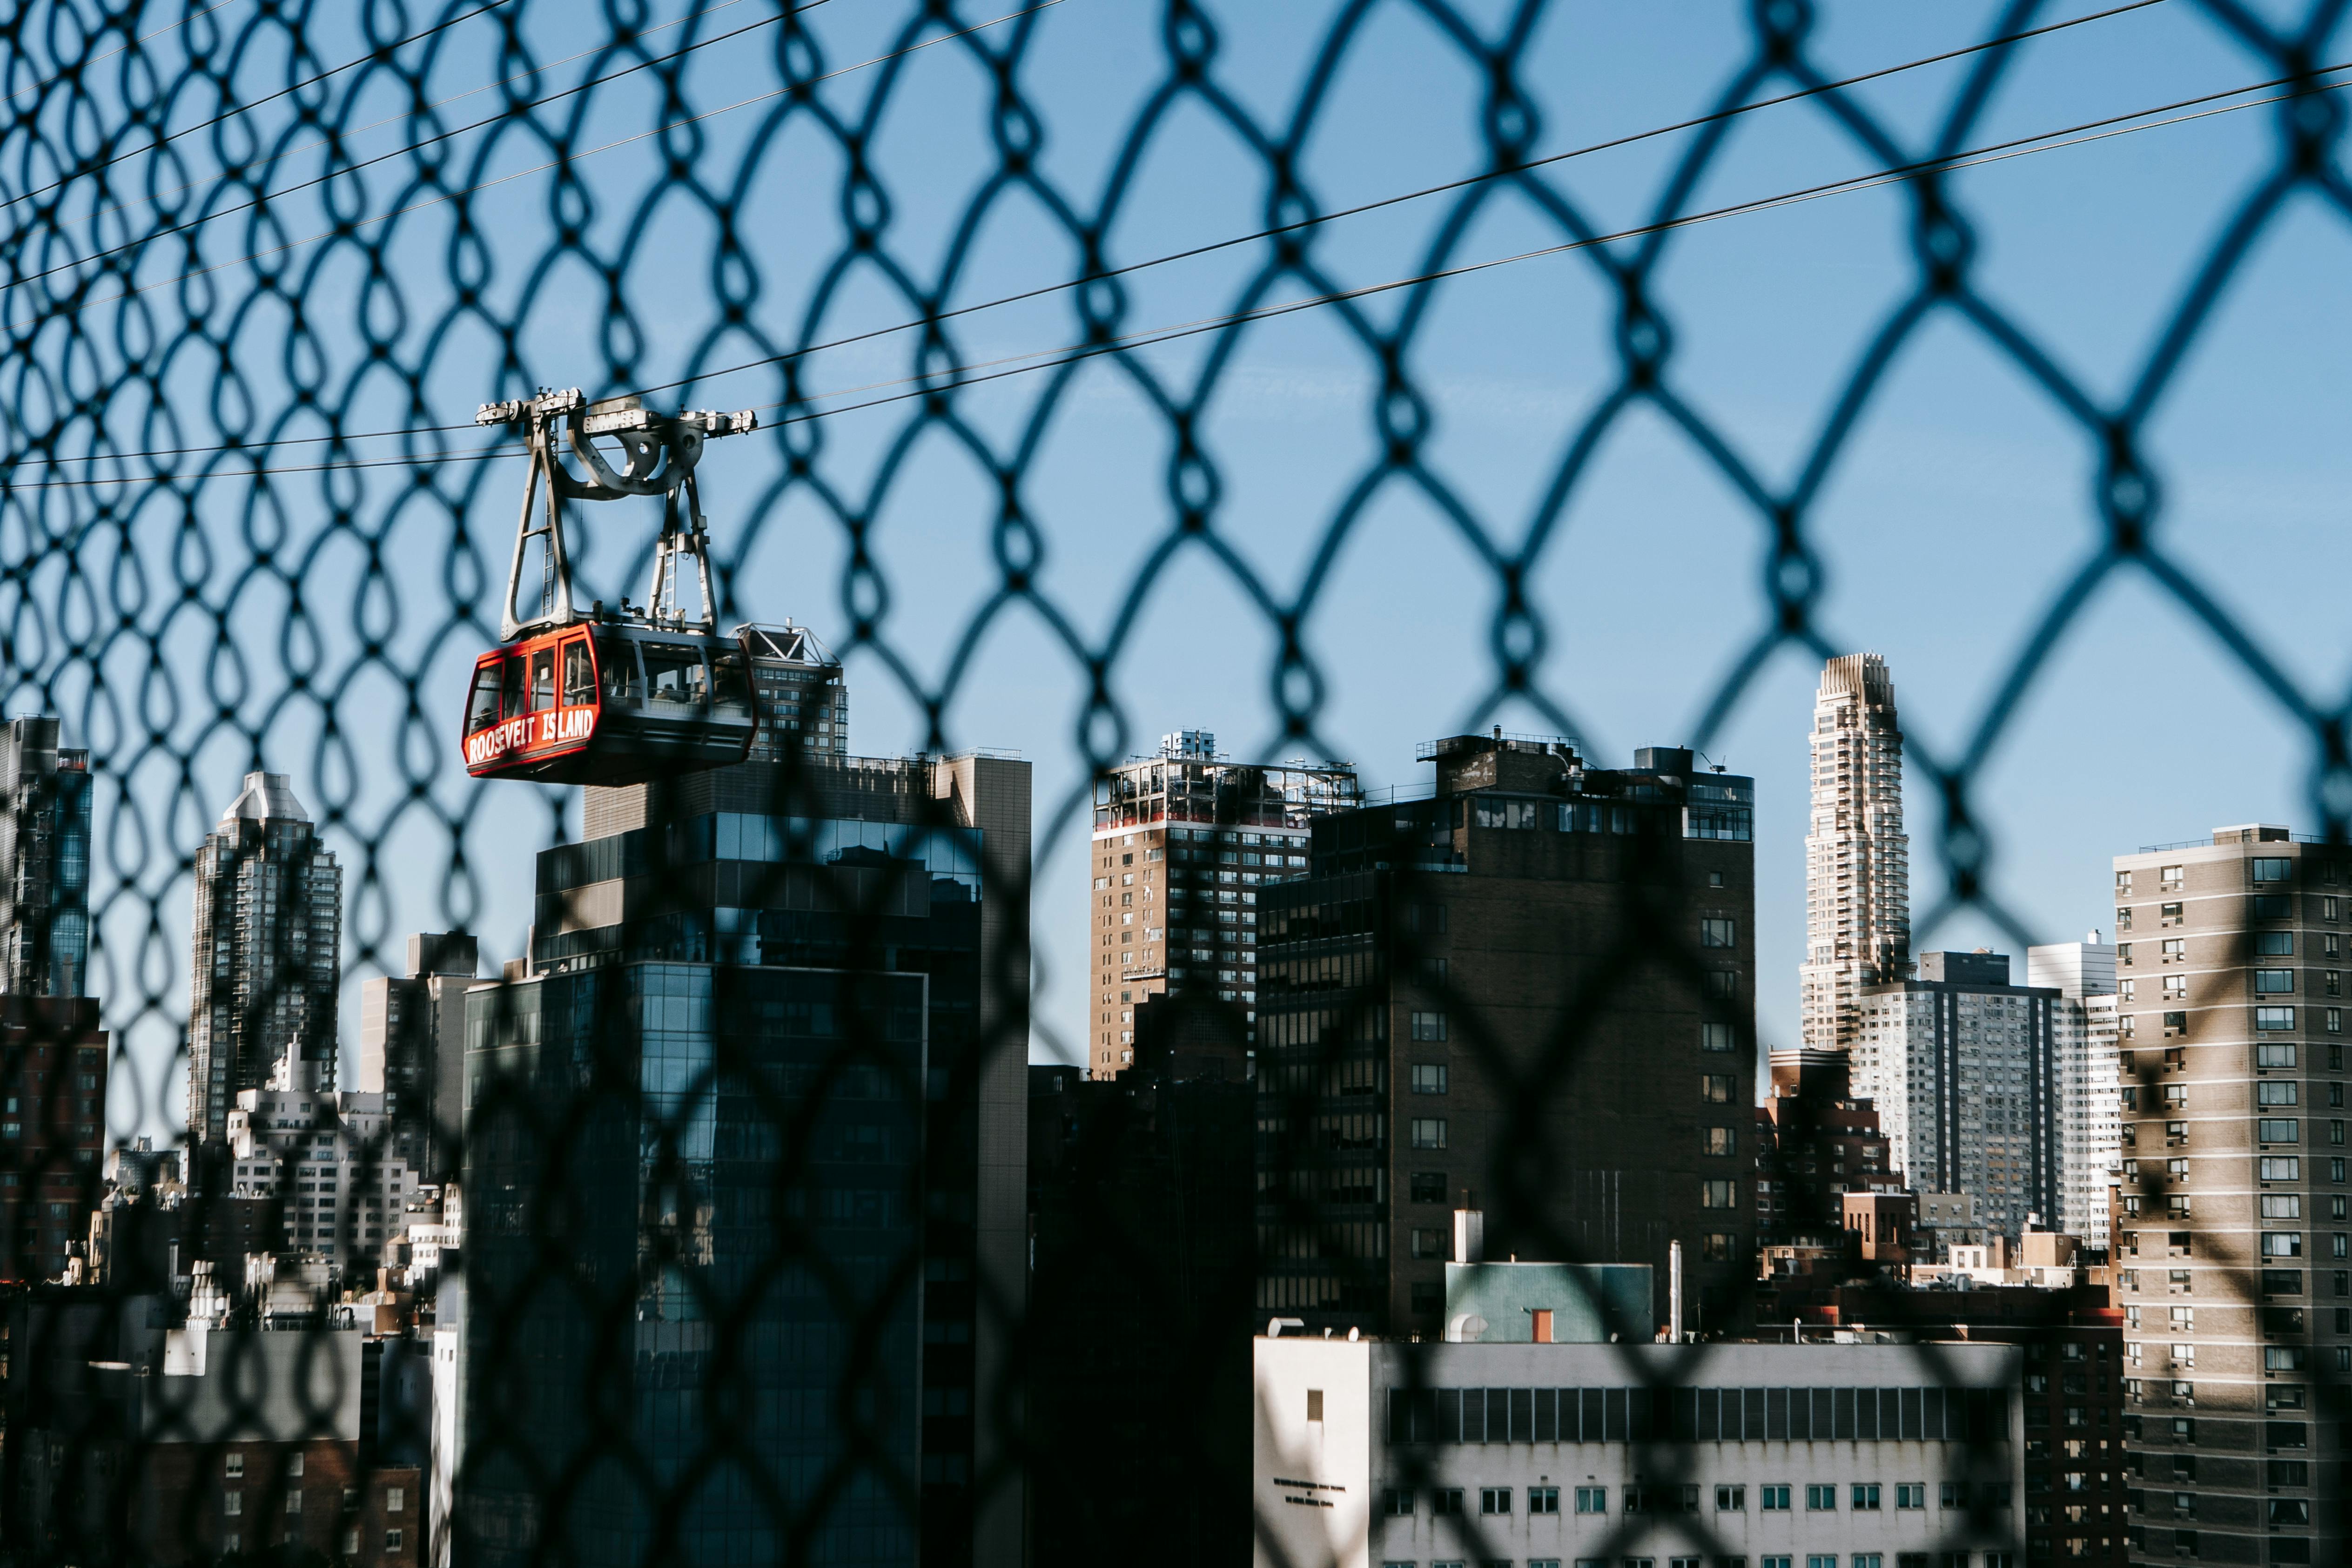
(2090, 1103)
(330, 1158)
(1428, 1456)
(1857, 856)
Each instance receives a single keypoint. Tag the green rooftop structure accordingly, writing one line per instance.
(1560, 1303)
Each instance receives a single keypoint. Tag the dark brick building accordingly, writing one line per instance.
(52, 1127)
(1537, 987)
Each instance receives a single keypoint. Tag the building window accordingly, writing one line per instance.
(1715, 1087)
(1397, 1502)
(1543, 1500)
(1718, 932)
(1716, 1247)
(2270, 869)
(1717, 1140)
(1911, 1494)
(1592, 1499)
(2282, 1244)
(2282, 1168)
(232, 1503)
(2272, 982)
(1865, 1498)
(2274, 943)
(392, 1540)
(2277, 1091)
(2276, 1130)
(1494, 1499)
(2282, 1205)
(1772, 1499)
(1428, 1025)
(1428, 1077)
(2175, 988)
(1428, 1188)
(2267, 1056)
(233, 1466)
(1715, 1037)
(1445, 1501)
(1818, 1499)
(1718, 1195)
(294, 1501)
(1429, 1133)
(1731, 1500)
(1429, 1244)
(395, 1499)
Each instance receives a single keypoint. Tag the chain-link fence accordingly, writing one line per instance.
(707, 1229)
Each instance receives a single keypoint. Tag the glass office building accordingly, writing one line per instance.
(725, 1175)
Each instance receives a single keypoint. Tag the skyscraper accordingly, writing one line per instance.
(1183, 840)
(1857, 859)
(44, 810)
(770, 1044)
(267, 952)
(2237, 1340)
(1451, 1003)
(2089, 1101)
(1963, 1068)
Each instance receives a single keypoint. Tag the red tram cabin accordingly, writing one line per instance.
(608, 701)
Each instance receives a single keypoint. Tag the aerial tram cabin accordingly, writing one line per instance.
(610, 697)
(609, 702)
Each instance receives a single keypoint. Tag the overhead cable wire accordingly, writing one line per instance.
(153, 198)
(149, 148)
(503, 117)
(568, 159)
(1131, 267)
(938, 381)
(141, 39)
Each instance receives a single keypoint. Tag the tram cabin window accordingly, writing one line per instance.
(482, 709)
(675, 673)
(619, 658)
(511, 688)
(579, 675)
(542, 681)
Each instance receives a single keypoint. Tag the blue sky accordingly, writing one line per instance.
(1953, 513)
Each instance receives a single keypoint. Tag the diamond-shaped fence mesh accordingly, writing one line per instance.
(702, 1234)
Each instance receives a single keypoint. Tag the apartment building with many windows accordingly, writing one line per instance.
(1536, 986)
(1963, 1068)
(2233, 1246)
(1183, 841)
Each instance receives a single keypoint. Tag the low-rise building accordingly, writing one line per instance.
(1391, 1452)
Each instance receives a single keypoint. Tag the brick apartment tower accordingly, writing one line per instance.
(1857, 859)
(1183, 841)
(2233, 1248)
(1537, 986)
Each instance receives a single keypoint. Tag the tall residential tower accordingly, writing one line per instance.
(269, 951)
(2233, 1251)
(1857, 861)
(1183, 841)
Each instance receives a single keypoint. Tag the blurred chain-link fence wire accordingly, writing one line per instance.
(262, 260)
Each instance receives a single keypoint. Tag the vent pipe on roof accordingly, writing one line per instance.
(1469, 1235)
(1674, 1293)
